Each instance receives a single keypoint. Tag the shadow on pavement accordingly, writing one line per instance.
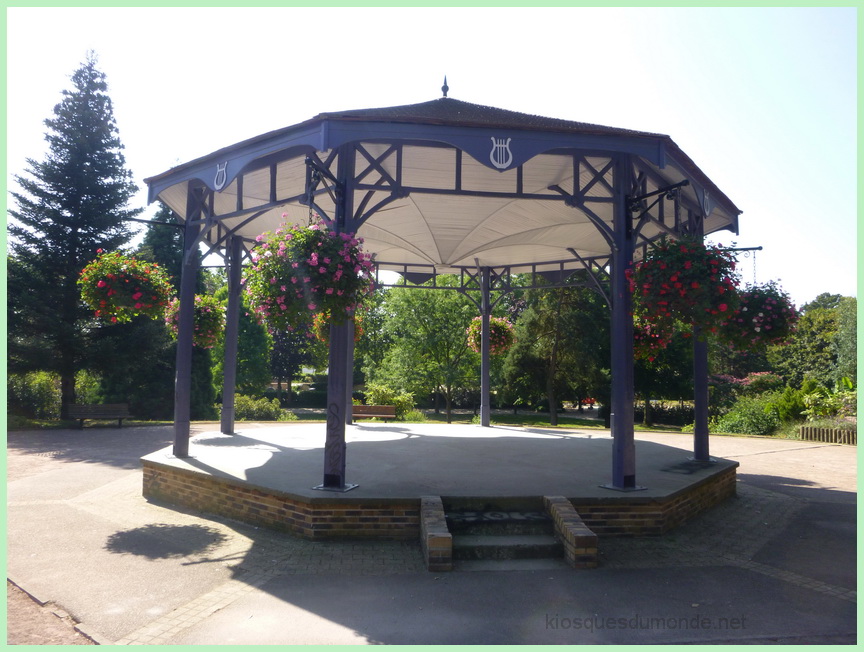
(120, 447)
(160, 541)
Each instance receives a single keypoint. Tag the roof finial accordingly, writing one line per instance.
(445, 87)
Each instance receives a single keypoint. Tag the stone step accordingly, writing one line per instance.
(479, 565)
(499, 522)
(506, 546)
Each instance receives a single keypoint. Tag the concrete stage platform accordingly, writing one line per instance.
(266, 476)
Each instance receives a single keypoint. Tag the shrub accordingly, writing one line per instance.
(87, 387)
(383, 395)
(751, 415)
(669, 414)
(759, 382)
(415, 416)
(824, 404)
(35, 395)
(723, 392)
(789, 405)
(311, 398)
(247, 408)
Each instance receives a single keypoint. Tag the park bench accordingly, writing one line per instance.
(82, 411)
(374, 412)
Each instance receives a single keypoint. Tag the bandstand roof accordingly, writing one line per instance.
(446, 184)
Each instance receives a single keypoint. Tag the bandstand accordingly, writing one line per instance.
(449, 187)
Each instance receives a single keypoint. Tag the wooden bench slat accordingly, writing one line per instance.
(83, 411)
(374, 411)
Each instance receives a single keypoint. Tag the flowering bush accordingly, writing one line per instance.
(321, 327)
(209, 320)
(299, 271)
(759, 382)
(119, 287)
(765, 315)
(684, 280)
(501, 335)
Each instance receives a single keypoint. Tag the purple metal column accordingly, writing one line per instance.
(232, 333)
(485, 366)
(341, 339)
(186, 326)
(337, 381)
(623, 446)
(700, 376)
(700, 399)
(349, 368)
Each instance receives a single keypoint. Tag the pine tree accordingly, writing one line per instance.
(70, 204)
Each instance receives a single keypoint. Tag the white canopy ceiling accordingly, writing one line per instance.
(447, 185)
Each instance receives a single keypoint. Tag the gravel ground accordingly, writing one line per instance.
(29, 623)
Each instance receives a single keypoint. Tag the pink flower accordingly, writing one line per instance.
(101, 284)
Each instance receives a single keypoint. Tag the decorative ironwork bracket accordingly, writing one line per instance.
(316, 173)
(634, 204)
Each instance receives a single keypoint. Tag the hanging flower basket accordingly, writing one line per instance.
(501, 336)
(300, 271)
(119, 287)
(648, 341)
(765, 315)
(209, 320)
(684, 280)
(321, 327)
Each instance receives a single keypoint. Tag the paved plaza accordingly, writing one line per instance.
(776, 564)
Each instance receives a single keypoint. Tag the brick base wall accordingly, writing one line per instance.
(323, 518)
(435, 538)
(311, 519)
(580, 543)
(639, 517)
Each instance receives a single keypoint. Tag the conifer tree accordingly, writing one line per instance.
(70, 204)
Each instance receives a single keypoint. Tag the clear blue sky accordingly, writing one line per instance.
(763, 100)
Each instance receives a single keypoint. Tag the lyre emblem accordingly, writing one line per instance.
(501, 156)
(221, 175)
(706, 204)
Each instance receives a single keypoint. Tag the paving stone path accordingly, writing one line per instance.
(728, 535)
(236, 559)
